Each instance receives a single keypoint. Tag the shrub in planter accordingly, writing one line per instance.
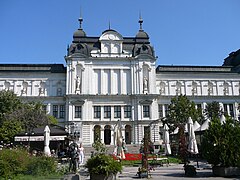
(101, 165)
(221, 143)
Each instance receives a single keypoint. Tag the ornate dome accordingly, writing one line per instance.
(79, 33)
(141, 34)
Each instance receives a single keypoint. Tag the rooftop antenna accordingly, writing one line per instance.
(140, 20)
(80, 19)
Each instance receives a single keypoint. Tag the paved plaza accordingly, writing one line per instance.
(173, 171)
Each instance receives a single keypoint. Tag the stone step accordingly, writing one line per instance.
(131, 148)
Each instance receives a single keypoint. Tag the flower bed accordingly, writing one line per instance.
(130, 157)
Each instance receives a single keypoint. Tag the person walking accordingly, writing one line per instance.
(73, 155)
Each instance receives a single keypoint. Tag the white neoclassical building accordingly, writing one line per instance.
(113, 78)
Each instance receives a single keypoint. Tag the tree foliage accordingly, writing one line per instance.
(213, 110)
(9, 102)
(221, 143)
(180, 109)
(17, 116)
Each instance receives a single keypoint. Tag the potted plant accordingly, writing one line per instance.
(101, 165)
(220, 145)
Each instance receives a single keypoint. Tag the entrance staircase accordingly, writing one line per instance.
(131, 148)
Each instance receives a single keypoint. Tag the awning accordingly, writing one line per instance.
(39, 138)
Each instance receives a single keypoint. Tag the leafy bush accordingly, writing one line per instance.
(221, 143)
(103, 164)
(13, 162)
(41, 166)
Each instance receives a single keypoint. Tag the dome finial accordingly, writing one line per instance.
(80, 19)
(140, 20)
(109, 24)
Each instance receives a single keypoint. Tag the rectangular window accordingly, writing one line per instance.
(55, 111)
(146, 111)
(62, 111)
(117, 111)
(231, 110)
(160, 110)
(225, 108)
(127, 111)
(107, 111)
(97, 111)
(78, 111)
(166, 106)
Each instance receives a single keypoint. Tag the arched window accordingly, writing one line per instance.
(97, 133)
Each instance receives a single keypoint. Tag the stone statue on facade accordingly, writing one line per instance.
(145, 84)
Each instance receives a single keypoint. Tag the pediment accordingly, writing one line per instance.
(78, 102)
(145, 101)
(111, 36)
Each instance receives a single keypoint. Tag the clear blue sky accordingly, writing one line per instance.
(183, 32)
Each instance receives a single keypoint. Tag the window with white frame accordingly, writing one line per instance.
(55, 111)
(117, 111)
(146, 111)
(97, 111)
(78, 111)
(107, 111)
(127, 111)
(62, 111)
(160, 110)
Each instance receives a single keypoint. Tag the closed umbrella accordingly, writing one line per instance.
(166, 140)
(192, 145)
(47, 141)
(118, 142)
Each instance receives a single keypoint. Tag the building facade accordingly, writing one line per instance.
(111, 78)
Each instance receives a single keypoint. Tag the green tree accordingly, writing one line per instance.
(31, 115)
(213, 110)
(17, 116)
(180, 109)
(9, 102)
(221, 143)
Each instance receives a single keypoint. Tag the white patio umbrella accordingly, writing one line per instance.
(222, 119)
(196, 125)
(205, 125)
(46, 141)
(118, 142)
(192, 145)
(166, 140)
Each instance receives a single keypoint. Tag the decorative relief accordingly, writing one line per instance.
(162, 88)
(194, 88)
(24, 88)
(178, 88)
(7, 85)
(210, 88)
(225, 88)
(42, 88)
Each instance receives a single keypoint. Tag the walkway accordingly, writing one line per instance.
(171, 172)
